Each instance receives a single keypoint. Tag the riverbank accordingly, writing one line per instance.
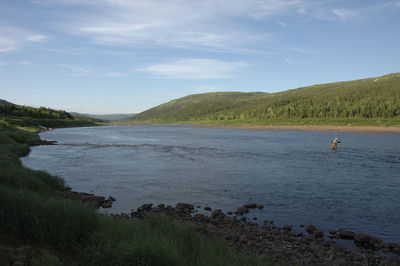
(282, 246)
(311, 128)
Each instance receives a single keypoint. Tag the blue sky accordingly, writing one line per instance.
(125, 56)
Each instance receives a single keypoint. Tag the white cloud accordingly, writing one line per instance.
(114, 74)
(26, 63)
(7, 45)
(301, 50)
(13, 38)
(77, 70)
(194, 69)
(345, 14)
(206, 24)
(36, 38)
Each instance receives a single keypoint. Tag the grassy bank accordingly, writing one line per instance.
(39, 227)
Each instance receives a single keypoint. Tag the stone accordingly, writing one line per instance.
(250, 205)
(217, 214)
(242, 210)
(288, 228)
(344, 234)
(184, 206)
(310, 229)
(106, 204)
(207, 208)
(368, 241)
(260, 207)
(318, 233)
(243, 239)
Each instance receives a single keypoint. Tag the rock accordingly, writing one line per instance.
(260, 207)
(161, 206)
(255, 218)
(242, 210)
(243, 219)
(217, 214)
(184, 206)
(250, 205)
(288, 228)
(145, 207)
(243, 239)
(301, 226)
(368, 241)
(318, 233)
(106, 204)
(250, 243)
(230, 213)
(310, 229)
(344, 234)
(207, 208)
(111, 198)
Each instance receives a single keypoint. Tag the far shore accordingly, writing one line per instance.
(311, 128)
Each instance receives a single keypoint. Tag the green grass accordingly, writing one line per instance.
(61, 231)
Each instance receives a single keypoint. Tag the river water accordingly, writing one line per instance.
(295, 175)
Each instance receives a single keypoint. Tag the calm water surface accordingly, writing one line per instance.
(295, 175)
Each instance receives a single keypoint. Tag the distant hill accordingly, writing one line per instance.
(4, 102)
(105, 118)
(370, 98)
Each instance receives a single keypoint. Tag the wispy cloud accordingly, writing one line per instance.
(13, 38)
(114, 74)
(194, 69)
(199, 25)
(36, 38)
(7, 45)
(300, 50)
(76, 70)
(26, 63)
(345, 14)
(84, 71)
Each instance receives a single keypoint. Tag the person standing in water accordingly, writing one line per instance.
(334, 143)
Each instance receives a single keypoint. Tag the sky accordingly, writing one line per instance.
(126, 56)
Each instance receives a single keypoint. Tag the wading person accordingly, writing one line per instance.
(334, 143)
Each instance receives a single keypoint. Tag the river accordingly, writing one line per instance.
(296, 175)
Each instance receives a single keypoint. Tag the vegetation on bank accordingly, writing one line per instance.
(373, 101)
(38, 226)
(34, 118)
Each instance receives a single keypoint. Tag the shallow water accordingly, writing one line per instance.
(295, 175)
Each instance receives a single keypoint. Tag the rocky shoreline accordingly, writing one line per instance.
(281, 245)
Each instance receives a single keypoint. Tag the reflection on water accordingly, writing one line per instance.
(295, 175)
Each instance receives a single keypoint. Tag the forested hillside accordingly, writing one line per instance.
(372, 98)
(34, 117)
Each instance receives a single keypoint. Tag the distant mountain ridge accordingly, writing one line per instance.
(369, 98)
(105, 118)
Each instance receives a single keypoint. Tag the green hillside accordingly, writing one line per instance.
(4, 102)
(25, 116)
(366, 101)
